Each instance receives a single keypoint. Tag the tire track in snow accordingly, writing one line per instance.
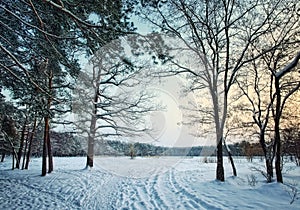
(138, 194)
(192, 200)
(92, 189)
(156, 198)
(38, 192)
(211, 196)
(143, 193)
(184, 201)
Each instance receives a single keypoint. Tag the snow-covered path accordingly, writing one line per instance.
(142, 183)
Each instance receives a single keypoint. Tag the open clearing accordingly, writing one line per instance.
(145, 183)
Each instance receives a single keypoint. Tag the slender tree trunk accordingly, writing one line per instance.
(25, 150)
(231, 160)
(50, 156)
(278, 158)
(30, 144)
(277, 133)
(49, 101)
(22, 139)
(45, 148)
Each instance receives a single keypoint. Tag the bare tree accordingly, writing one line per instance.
(110, 99)
(219, 33)
(263, 83)
(283, 90)
(260, 109)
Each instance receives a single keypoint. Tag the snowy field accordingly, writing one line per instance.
(145, 183)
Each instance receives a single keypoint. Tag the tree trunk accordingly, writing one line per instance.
(28, 154)
(30, 144)
(22, 139)
(50, 156)
(45, 148)
(278, 161)
(92, 132)
(91, 139)
(220, 168)
(269, 162)
(25, 149)
(269, 167)
(219, 134)
(230, 159)
(90, 155)
(277, 133)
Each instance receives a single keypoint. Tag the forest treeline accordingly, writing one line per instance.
(66, 144)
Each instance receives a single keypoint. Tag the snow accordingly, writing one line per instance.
(144, 183)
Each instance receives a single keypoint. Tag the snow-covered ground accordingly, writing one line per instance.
(144, 183)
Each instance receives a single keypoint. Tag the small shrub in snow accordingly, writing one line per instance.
(252, 180)
(262, 173)
(209, 160)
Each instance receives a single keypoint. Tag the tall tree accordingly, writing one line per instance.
(110, 99)
(283, 91)
(271, 82)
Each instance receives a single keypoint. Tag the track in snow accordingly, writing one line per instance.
(160, 191)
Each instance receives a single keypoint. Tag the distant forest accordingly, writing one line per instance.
(69, 144)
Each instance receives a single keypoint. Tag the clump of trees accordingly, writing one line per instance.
(40, 46)
(224, 38)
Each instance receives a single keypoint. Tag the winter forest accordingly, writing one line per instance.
(149, 104)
